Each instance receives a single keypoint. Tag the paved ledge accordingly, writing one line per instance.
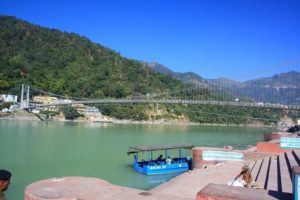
(86, 188)
(72, 188)
(188, 184)
(224, 192)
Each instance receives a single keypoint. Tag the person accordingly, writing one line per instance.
(160, 157)
(4, 182)
(246, 176)
(168, 160)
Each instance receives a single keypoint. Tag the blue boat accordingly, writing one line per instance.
(161, 165)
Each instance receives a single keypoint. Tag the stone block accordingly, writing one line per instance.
(270, 147)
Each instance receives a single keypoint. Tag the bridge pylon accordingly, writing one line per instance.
(22, 104)
(21, 99)
(27, 97)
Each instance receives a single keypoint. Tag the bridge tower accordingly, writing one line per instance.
(22, 104)
(21, 100)
(27, 97)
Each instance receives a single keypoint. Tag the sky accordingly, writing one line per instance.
(213, 38)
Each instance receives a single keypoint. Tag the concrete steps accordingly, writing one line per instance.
(274, 173)
(272, 183)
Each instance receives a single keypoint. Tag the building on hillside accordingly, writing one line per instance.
(87, 110)
(8, 98)
(44, 99)
(92, 109)
(79, 107)
(93, 113)
(49, 108)
(64, 101)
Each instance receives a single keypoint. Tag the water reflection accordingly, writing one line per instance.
(145, 182)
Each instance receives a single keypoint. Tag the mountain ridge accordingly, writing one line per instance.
(185, 77)
(277, 86)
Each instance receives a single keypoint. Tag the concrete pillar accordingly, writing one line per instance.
(21, 100)
(274, 136)
(295, 181)
(197, 159)
(27, 97)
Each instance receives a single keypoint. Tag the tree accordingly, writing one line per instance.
(70, 112)
(5, 105)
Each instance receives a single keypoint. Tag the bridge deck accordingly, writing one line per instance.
(172, 101)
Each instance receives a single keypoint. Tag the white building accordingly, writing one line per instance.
(8, 98)
(45, 99)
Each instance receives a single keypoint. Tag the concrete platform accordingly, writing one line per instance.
(188, 184)
(86, 188)
(224, 192)
(272, 171)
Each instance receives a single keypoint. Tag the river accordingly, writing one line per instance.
(34, 150)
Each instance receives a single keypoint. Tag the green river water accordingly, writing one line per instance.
(39, 150)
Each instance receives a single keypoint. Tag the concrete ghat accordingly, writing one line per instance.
(72, 188)
(224, 192)
(188, 184)
(268, 168)
(85, 188)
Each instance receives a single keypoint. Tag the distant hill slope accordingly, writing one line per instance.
(187, 77)
(284, 80)
(281, 88)
(69, 64)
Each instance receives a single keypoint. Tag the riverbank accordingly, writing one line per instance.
(106, 119)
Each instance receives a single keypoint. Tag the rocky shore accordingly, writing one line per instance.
(25, 116)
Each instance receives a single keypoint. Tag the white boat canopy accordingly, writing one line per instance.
(138, 149)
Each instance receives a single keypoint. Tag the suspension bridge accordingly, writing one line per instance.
(235, 92)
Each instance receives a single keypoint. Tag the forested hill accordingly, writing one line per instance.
(69, 64)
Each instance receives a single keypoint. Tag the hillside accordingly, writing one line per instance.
(283, 80)
(186, 77)
(281, 88)
(69, 64)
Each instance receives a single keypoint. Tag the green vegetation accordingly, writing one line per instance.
(71, 65)
(68, 64)
(49, 114)
(136, 112)
(70, 113)
(5, 105)
(206, 114)
(232, 115)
